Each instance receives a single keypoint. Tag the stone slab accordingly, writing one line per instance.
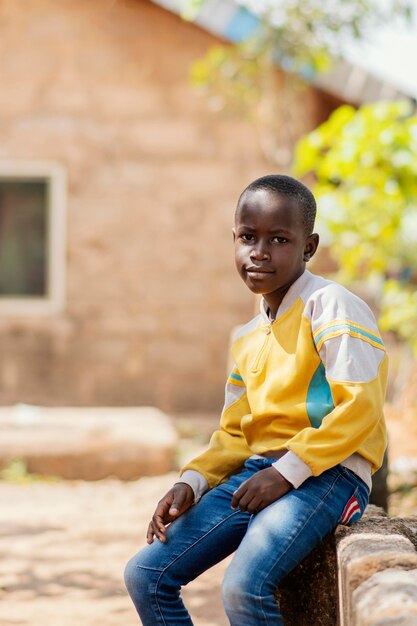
(88, 443)
(388, 598)
(376, 543)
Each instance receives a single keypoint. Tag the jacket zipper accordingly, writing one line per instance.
(259, 361)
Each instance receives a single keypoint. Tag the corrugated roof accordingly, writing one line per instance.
(348, 81)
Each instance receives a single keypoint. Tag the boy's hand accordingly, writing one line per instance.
(260, 490)
(174, 503)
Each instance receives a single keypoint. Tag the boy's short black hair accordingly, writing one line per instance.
(292, 188)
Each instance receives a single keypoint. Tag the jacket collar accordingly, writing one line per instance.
(288, 300)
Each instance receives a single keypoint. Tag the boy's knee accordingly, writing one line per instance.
(137, 578)
(130, 574)
(236, 589)
(247, 600)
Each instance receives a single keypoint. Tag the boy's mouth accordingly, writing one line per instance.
(253, 269)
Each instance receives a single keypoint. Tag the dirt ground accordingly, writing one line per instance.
(64, 545)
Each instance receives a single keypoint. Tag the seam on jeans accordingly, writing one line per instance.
(182, 554)
(155, 597)
(150, 569)
(351, 475)
(336, 478)
(292, 542)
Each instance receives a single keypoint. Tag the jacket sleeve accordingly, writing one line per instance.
(353, 354)
(228, 449)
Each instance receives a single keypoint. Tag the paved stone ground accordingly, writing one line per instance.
(64, 544)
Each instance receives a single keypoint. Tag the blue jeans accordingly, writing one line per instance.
(268, 546)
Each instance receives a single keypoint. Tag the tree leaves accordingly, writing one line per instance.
(365, 167)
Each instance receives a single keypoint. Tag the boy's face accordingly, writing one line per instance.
(271, 246)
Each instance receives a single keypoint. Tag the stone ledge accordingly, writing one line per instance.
(388, 598)
(365, 552)
(360, 557)
(88, 443)
(330, 586)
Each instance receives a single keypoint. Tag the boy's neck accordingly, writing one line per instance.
(271, 315)
(273, 301)
(273, 306)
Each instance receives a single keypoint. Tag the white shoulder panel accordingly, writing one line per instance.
(246, 328)
(345, 334)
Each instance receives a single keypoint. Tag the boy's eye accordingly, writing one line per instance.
(280, 239)
(247, 237)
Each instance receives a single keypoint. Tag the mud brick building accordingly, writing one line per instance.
(121, 184)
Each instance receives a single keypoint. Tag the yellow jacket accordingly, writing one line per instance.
(312, 381)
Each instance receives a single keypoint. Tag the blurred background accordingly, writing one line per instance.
(128, 129)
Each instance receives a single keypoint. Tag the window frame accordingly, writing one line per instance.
(54, 175)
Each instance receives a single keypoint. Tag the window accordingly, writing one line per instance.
(32, 238)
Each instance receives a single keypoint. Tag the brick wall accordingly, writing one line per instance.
(101, 87)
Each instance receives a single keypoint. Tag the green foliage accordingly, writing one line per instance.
(399, 310)
(299, 35)
(365, 161)
(365, 167)
(230, 76)
(16, 471)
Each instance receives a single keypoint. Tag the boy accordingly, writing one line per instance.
(301, 431)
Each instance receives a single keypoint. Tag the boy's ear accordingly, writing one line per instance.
(311, 246)
(234, 234)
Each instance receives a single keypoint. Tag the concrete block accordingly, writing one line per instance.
(375, 520)
(88, 443)
(358, 557)
(361, 555)
(388, 598)
(410, 526)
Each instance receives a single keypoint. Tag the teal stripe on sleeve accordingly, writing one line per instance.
(236, 377)
(355, 329)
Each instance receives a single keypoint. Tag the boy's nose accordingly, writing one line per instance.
(259, 253)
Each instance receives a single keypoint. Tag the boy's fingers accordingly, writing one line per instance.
(183, 496)
(238, 495)
(254, 506)
(176, 506)
(161, 515)
(153, 531)
(159, 522)
(159, 519)
(180, 499)
(158, 528)
(246, 501)
(150, 534)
